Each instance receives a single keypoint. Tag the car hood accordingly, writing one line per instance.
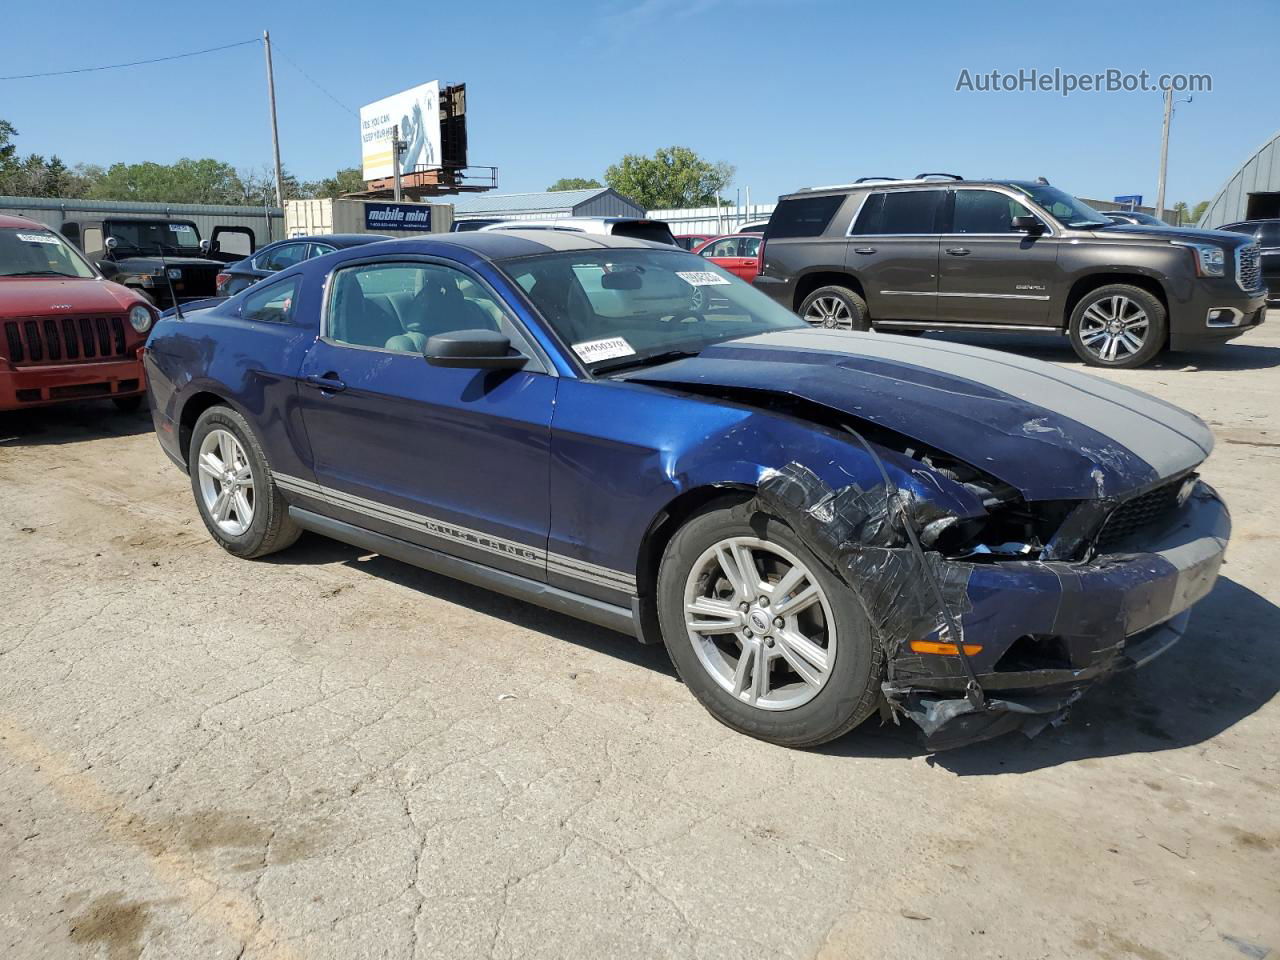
(1050, 432)
(148, 263)
(74, 296)
(1143, 231)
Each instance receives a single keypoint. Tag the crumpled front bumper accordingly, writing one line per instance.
(1074, 624)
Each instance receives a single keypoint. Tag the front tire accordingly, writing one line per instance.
(835, 308)
(1118, 325)
(237, 497)
(768, 639)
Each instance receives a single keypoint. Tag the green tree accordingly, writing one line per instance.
(673, 177)
(8, 149)
(574, 183)
(347, 180)
(1198, 210)
(1181, 213)
(185, 181)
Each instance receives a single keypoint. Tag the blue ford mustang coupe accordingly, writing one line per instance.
(815, 523)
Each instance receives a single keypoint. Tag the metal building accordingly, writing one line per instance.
(594, 202)
(1252, 192)
(267, 223)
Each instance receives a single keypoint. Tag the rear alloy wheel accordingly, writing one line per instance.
(770, 641)
(835, 308)
(238, 500)
(1118, 326)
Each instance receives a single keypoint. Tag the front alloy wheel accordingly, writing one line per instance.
(1114, 329)
(759, 623)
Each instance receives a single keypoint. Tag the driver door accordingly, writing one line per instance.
(230, 244)
(448, 458)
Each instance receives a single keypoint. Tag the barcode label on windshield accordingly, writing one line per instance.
(180, 227)
(702, 278)
(593, 350)
(37, 238)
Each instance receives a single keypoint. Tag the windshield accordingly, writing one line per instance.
(626, 308)
(1066, 208)
(37, 252)
(154, 236)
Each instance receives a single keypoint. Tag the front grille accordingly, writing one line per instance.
(1249, 267)
(1140, 512)
(63, 339)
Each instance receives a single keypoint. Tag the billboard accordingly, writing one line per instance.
(417, 111)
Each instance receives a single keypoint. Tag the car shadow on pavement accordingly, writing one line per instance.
(1224, 669)
(70, 423)
(1237, 355)
(312, 549)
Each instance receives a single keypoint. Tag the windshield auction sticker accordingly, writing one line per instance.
(702, 278)
(181, 227)
(593, 350)
(37, 238)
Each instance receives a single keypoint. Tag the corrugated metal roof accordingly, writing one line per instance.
(1259, 174)
(543, 201)
(131, 206)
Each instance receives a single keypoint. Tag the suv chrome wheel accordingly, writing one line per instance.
(1114, 329)
(830, 312)
(226, 482)
(760, 623)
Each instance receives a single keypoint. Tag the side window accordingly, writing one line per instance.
(803, 216)
(320, 249)
(93, 241)
(272, 303)
(750, 247)
(727, 247)
(400, 306)
(871, 216)
(911, 211)
(285, 255)
(985, 211)
(72, 232)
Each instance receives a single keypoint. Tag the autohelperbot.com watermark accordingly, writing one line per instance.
(1065, 82)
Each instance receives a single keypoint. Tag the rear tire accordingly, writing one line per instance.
(236, 495)
(821, 668)
(1119, 326)
(835, 308)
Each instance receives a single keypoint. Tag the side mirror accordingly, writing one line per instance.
(1027, 224)
(110, 244)
(473, 349)
(204, 246)
(109, 268)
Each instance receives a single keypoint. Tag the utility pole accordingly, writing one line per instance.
(397, 147)
(1164, 153)
(275, 132)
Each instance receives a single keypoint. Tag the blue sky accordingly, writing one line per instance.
(791, 93)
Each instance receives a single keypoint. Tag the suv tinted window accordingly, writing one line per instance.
(654, 232)
(272, 303)
(985, 211)
(910, 211)
(803, 216)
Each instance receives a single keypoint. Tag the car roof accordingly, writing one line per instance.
(337, 239)
(887, 183)
(507, 244)
(9, 221)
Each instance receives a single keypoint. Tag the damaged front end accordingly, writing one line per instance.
(1000, 621)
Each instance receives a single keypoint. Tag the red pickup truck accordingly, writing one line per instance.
(66, 332)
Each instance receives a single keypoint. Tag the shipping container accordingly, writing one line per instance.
(304, 218)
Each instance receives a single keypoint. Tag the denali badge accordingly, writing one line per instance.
(59, 306)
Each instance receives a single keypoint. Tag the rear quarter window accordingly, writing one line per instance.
(802, 216)
(654, 232)
(272, 302)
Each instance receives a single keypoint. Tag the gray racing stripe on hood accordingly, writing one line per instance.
(1163, 435)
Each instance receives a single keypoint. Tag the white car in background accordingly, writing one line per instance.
(637, 228)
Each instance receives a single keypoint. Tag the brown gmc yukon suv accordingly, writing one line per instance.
(938, 252)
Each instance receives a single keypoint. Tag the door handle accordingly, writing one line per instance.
(329, 383)
(864, 249)
(958, 251)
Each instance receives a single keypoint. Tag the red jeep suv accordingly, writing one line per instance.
(66, 333)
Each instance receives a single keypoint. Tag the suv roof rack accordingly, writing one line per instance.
(874, 179)
(918, 178)
(943, 176)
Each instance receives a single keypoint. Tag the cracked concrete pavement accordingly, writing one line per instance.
(330, 754)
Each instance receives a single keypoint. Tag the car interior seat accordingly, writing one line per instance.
(359, 320)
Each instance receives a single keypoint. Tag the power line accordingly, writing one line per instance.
(314, 83)
(134, 63)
